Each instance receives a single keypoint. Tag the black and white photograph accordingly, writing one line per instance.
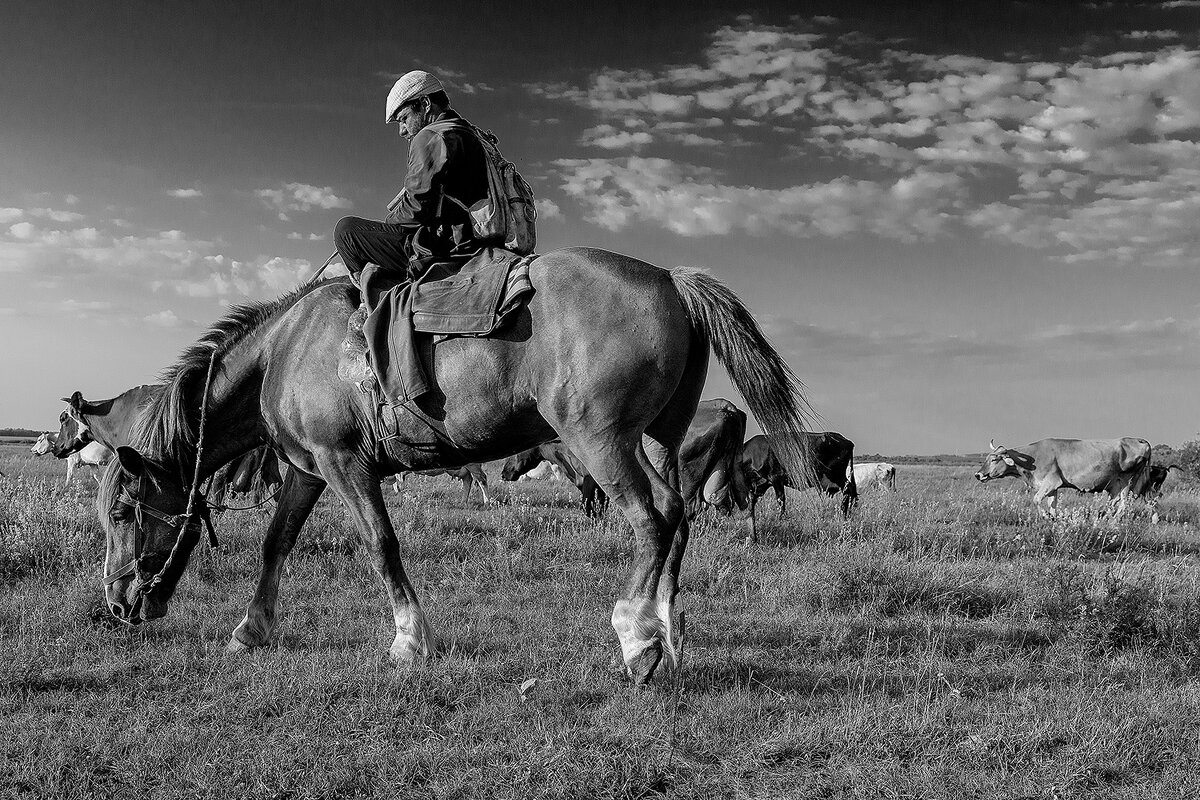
(617, 400)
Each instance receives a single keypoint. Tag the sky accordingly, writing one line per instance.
(963, 222)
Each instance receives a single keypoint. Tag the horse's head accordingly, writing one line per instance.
(73, 433)
(143, 507)
(518, 465)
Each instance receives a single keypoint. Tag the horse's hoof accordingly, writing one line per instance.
(237, 646)
(641, 666)
(410, 651)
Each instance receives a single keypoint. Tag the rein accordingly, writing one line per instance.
(222, 507)
(182, 521)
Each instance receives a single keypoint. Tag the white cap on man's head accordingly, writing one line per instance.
(411, 85)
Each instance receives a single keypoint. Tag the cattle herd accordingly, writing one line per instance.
(719, 467)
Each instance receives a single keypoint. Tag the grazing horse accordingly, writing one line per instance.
(610, 355)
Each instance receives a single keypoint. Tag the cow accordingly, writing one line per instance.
(104, 421)
(1151, 490)
(594, 498)
(469, 474)
(1118, 467)
(43, 445)
(710, 458)
(831, 457)
(877, 473)
(93, 455)
(544, 471)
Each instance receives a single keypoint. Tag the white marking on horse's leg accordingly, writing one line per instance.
(642, 635)
(414, 642)
(665, 610)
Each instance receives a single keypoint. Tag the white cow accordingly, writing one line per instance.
(93, 455)
(470, 474)
(43, 444)
(875, 473)
(544, 471)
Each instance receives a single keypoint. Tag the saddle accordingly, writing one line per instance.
(390, 338)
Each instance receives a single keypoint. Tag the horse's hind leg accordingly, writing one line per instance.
(296, 500)
(634, 485)
(662, 463)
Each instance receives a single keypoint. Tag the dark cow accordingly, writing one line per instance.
(594, 498)
(469, 474)
(710, 458)
(1151, 490)
(831, 456)
(104, 421)
(257, 471)
(1118, 467)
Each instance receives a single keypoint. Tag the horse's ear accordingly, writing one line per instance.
(131, 461)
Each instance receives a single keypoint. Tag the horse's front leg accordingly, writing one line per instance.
(297, 497)
(363, 498)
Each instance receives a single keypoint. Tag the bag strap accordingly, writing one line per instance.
(487, 140)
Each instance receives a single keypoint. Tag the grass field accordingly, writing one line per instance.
(943, 643)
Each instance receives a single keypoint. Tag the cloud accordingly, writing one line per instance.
(7, 215)
(22, 230)
(171, 261)
(163, 319)
(1131, 345)
(261, 278)
(1071, 156)
(311, 237)
(185, 193)
(616, 193)
(78, 306)
(54, 215)
(547, 209)
(303, 197)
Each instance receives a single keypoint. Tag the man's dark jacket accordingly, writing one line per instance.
(442, 162)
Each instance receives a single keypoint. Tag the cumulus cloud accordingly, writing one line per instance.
(1130, 344)
(22, 230)
(55, 215)
(10, 214)
(170, 261)
(302, 197)
(1090, 157)
(547, 209)
(261, 278)
(185, 194)
(163, 319)
(616, 193)
(82, 306)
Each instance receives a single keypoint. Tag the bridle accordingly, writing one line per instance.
(196, 511)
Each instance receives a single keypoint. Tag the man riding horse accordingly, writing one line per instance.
(428, 221)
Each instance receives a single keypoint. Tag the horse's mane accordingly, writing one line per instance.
(166, 426)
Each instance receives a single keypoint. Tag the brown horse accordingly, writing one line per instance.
(610, 355)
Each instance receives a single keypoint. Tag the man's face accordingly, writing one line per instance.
(411, 118)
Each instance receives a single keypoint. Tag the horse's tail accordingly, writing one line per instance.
(774, 393)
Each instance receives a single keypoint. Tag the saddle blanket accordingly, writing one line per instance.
(476, 300)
